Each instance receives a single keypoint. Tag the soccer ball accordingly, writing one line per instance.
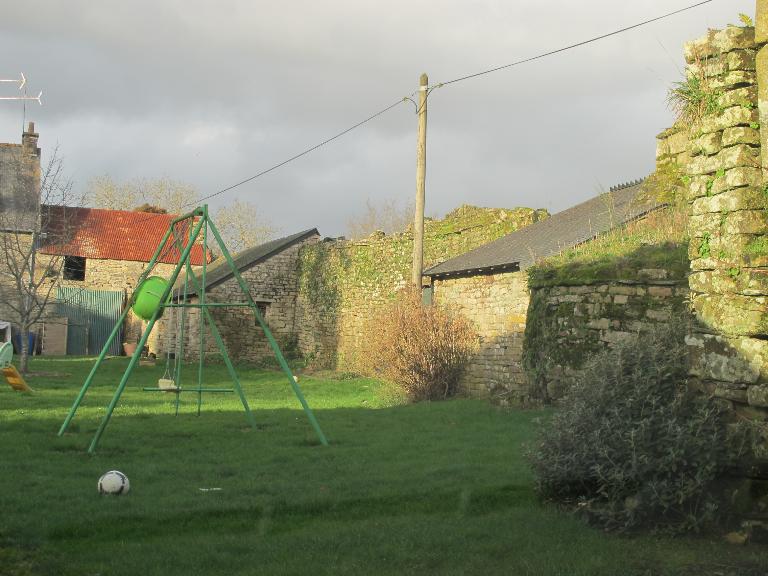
(114, 482)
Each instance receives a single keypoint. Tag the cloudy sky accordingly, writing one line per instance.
(211, 93)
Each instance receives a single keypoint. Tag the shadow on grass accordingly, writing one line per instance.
(460, 503)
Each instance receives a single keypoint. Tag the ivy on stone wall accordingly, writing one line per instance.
(346, 281)
(319, 268)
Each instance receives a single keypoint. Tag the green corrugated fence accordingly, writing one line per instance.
(92, 315)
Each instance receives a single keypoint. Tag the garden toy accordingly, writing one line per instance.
(12, 375)
(154, 295)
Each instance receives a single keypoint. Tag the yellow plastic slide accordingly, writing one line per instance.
(14, 379)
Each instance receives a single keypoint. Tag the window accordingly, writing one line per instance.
(74, 268)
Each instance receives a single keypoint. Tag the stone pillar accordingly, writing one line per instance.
(761, 21)
(761, 38)
(728, 225)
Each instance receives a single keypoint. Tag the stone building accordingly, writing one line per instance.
(104, 252)
(20, 183)
(19, 217)
(489, 284)
(270, 270)
(86, 260)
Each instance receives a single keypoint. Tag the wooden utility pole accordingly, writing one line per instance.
(421, 175)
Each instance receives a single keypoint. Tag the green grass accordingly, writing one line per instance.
(657, 241)
(433, 488)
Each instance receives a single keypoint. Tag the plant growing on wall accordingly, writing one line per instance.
(667, 185)
(695, 97)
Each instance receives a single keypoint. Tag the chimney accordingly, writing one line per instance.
(29, 140)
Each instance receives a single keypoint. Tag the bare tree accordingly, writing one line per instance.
(242, 226)
(388, 216)
(240, 223)
(172, 195)
(28, 278)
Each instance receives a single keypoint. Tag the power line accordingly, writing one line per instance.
(289, 160)
(440, 85)
(571, 46)
(305, 152)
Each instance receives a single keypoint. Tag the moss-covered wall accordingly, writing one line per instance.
(342, 283)
(570, 318)
(727, 195)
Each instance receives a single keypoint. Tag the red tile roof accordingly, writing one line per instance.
(109, 234)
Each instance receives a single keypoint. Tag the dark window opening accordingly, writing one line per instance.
(74, 268)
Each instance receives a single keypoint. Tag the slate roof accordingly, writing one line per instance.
(576, 225)
(220, 271)
(109, 234)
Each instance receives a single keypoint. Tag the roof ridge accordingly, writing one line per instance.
(626, 185)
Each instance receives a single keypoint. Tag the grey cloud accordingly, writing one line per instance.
(213, 92)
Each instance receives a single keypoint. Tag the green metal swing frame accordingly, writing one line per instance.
(199, 223)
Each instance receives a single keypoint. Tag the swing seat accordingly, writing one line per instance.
(178, 390)
(167, 384)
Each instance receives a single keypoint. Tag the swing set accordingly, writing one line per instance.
(154, 294)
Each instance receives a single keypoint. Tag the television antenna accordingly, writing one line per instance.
(22, 82)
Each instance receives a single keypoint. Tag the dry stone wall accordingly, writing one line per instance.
(727, 196)
(567, 324)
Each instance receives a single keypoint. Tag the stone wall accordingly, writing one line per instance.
(568, 324)
(273, 285)
(497, 305)
(720, 154)
(343, 283)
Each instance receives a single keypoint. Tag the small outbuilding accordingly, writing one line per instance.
(489, 284)
(270, 270)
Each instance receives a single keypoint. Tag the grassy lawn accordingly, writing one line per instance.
(434, 488)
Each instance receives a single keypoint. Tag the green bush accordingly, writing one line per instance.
(630, 445)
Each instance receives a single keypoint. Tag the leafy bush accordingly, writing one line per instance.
(421, 350)
(631, 446)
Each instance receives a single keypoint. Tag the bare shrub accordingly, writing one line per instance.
(389, 216)
(421, 350)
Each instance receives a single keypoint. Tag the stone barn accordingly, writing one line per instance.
(489, 284)
(104, 252)
(90, 258)
(270, 270)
